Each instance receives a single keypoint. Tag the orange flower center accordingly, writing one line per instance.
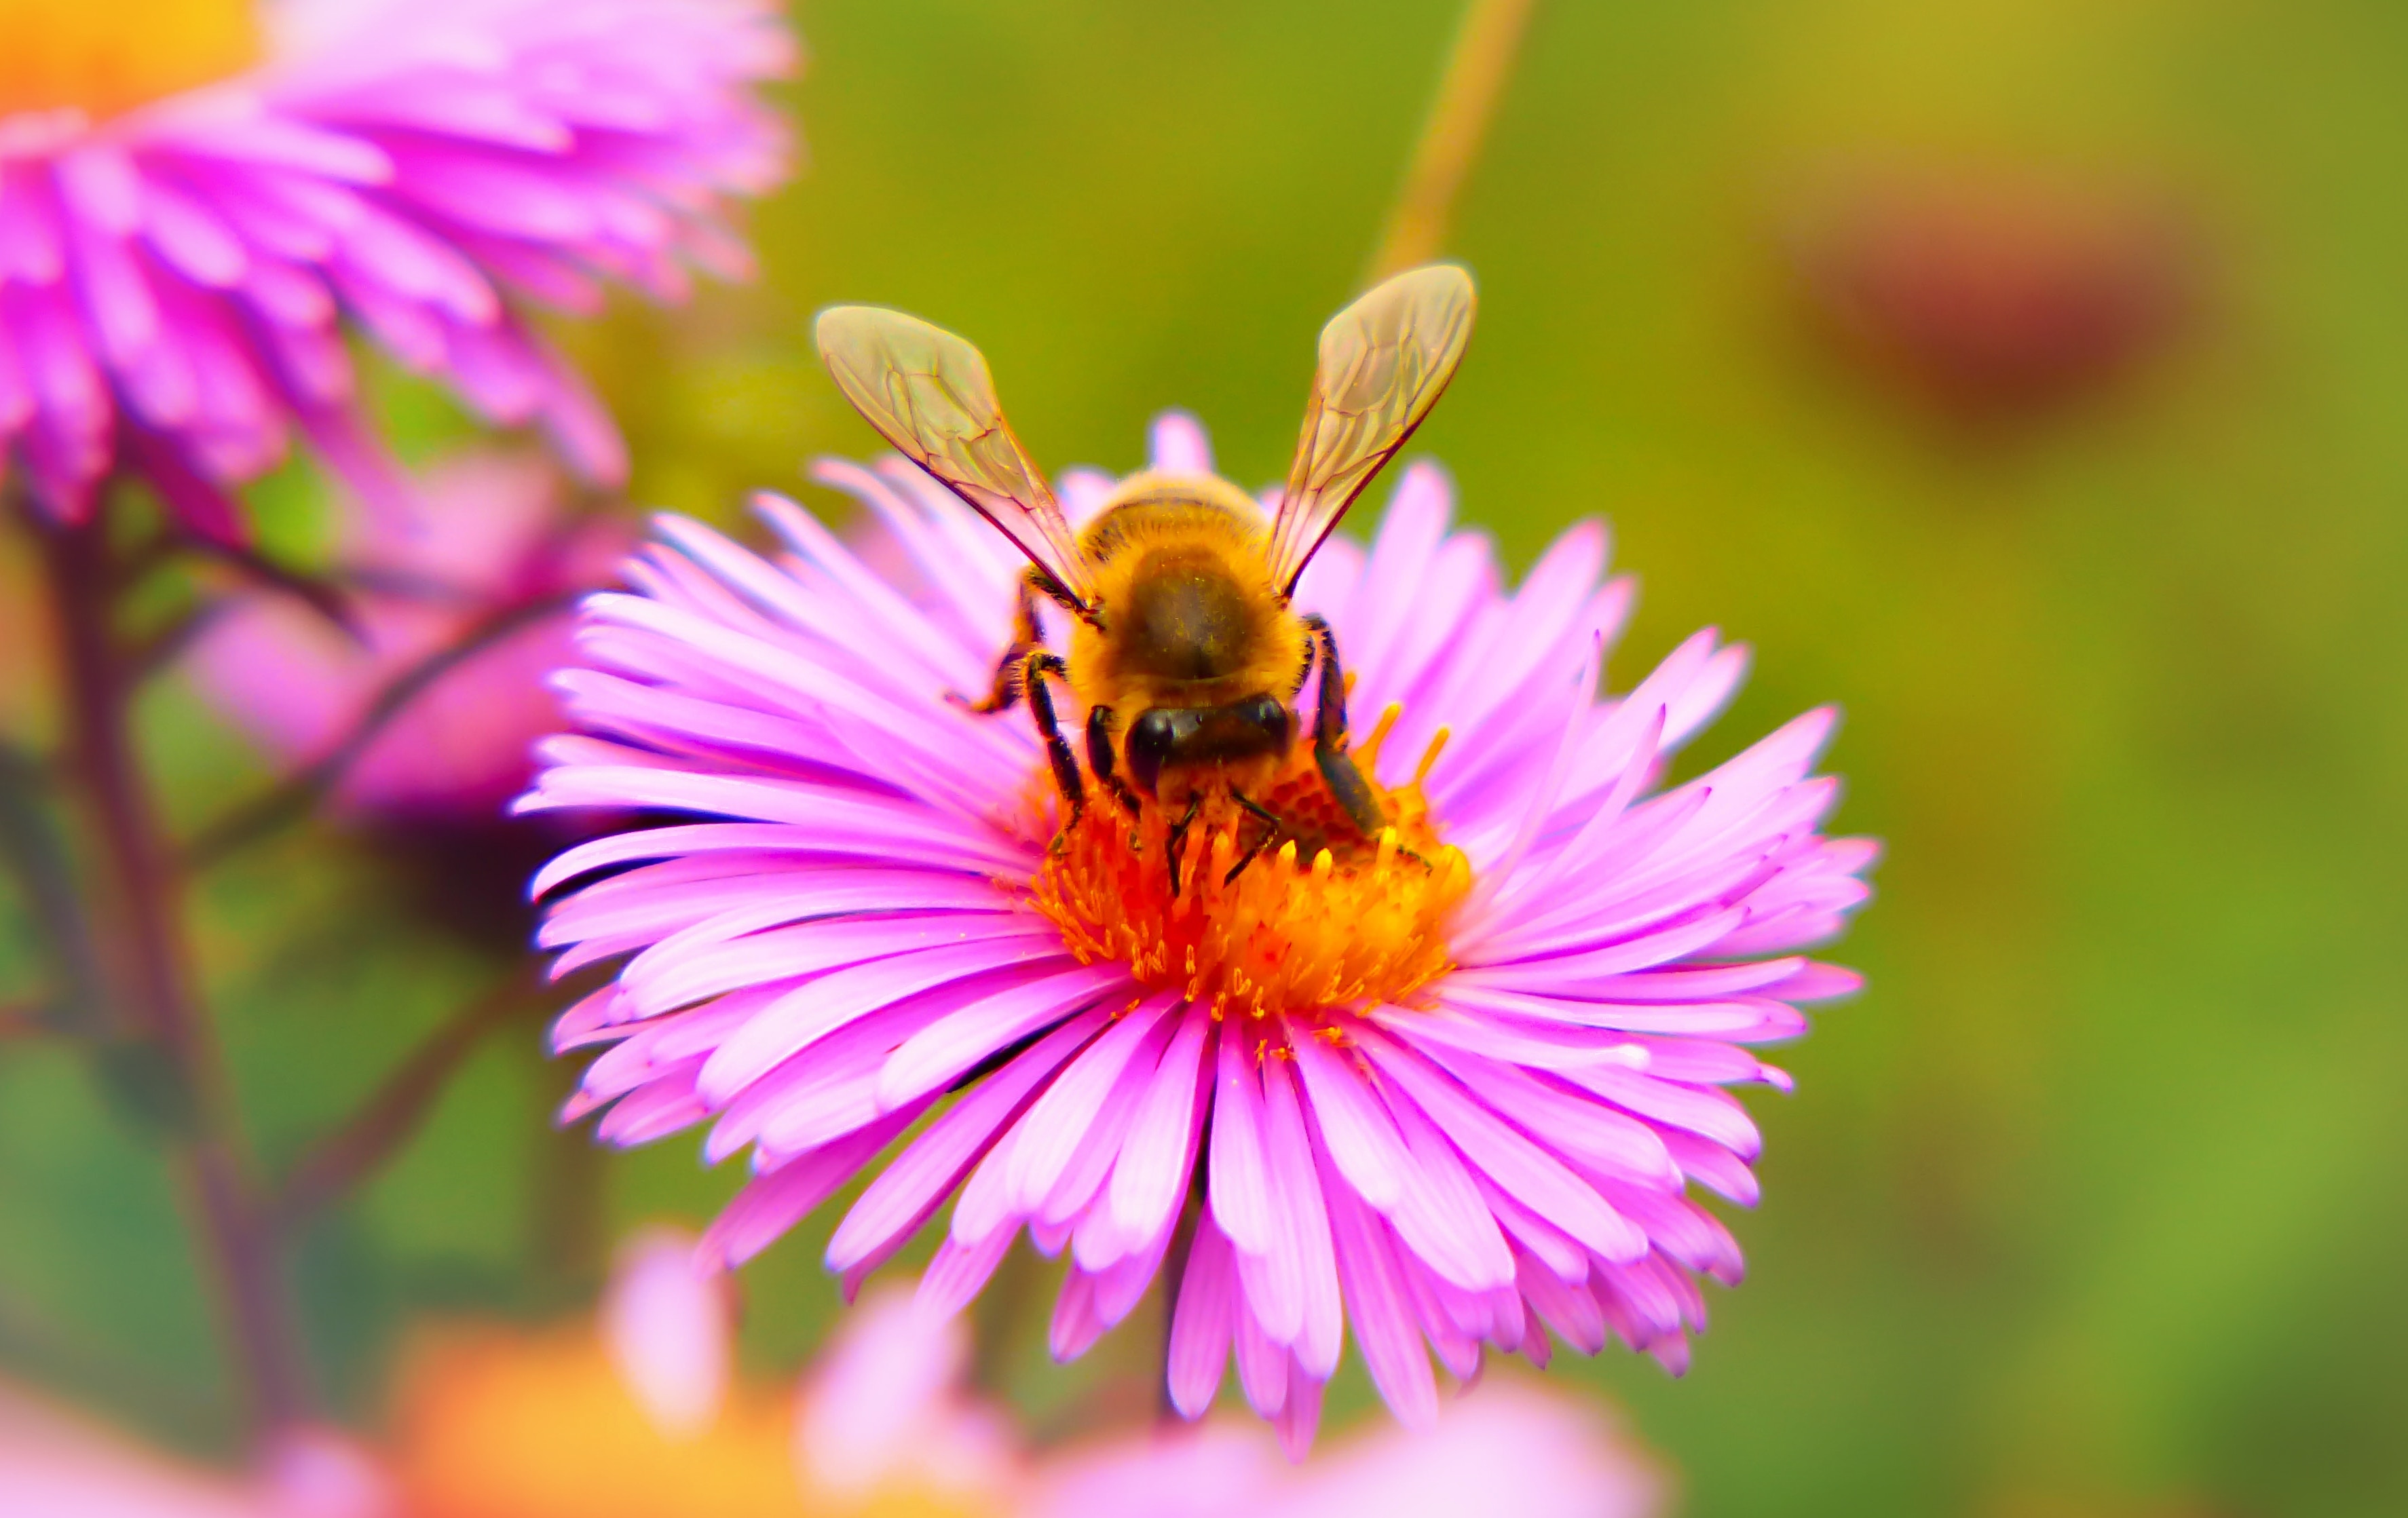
(1320, 916)
(104, 56)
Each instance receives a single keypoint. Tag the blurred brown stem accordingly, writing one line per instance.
(161, 648)
(136, 908)
(568, 1218)
(324, 596)
(385, 1122)
(1477, 67)
(289, 799)
(997, 1314)
(35, 852)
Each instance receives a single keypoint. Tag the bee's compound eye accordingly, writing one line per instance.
(1271, 717)
(1150, 741)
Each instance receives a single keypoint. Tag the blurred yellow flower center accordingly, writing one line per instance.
(104, 56)
(1322, 916)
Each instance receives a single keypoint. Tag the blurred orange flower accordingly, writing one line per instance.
(637, 1415)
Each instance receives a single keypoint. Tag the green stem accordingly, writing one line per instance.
(1477, 67)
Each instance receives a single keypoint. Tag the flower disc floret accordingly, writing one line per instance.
(1263, 923)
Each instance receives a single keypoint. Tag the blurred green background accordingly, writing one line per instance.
(2094, 1203)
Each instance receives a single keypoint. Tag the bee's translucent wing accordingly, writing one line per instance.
(928, 393)
(1385, 361)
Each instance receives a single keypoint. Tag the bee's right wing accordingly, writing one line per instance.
(928, 393)
(1384, 362)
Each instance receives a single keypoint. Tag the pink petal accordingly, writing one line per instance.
(1237, 1180)
(958, 1271)
(1363, 1141)
(1305, 1237)
(1149, 1179)
(771, 1204)
(1200, 1333)
(950, 1047)
(1054, 1128)
(933, 1164)
(1376, 1305)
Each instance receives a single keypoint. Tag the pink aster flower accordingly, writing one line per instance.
(1454, 1090)
(489, 538)
(196, 195)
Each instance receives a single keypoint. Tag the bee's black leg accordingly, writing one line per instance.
(1271, 826)
(1010, 669)
(1058, 748)
(1177, 843)
(1257, 808)
(1346, 783)
(1100, 757)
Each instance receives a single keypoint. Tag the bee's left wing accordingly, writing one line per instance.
(928, 393)
(1384, 362)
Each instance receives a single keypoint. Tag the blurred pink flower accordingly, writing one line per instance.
(174, 278)
(1995, 300)
(55, 1464)
(884, 1410)
(884, 1413)
(487, 535)
(1505, 1447)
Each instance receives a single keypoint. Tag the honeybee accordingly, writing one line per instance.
(1184, 647)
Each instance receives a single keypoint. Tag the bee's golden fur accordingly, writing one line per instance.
(1199, 536)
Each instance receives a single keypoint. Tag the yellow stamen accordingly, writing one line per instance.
(1320, 917)
(106, 57)
(1429, 755)
(1366, 753)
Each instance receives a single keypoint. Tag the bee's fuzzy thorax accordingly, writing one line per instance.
(1183, 590)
